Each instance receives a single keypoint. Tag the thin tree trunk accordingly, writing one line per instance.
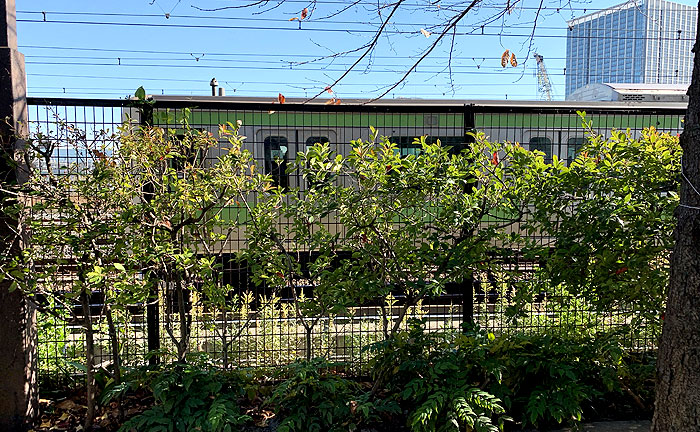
(678, 366)
(89, 360)
(114, 342)
(116, 358)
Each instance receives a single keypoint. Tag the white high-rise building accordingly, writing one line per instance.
(641, 41)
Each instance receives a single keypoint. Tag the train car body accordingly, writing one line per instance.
(275, 132)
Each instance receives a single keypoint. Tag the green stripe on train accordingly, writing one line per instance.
(336, 120)
(423, 120)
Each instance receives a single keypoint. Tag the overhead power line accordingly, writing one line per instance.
(335, 30)
(422, 70)
(188, 54)
(273, 94)
(48, 14)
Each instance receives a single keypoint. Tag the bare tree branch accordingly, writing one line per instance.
(369, 48)
(427, 52)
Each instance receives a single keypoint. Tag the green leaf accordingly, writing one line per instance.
(140, 93)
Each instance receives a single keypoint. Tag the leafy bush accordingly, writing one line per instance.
(439, 378)
(611, 213)
(449, 381)
(313, 399)
(187, 397)
(549, 379)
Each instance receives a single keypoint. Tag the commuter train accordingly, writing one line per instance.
(276, 132)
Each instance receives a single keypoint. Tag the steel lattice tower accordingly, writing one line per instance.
(544, 86)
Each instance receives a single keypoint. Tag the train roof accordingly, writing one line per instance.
(270, 103)
(406, 105)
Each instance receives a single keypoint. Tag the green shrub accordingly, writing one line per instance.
(439, 379)
(312, 399)
(187, 397)
(550, 379)
(450, 381)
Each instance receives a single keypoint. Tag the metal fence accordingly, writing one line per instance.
(278, 132)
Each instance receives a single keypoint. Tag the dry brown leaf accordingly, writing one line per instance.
(293, 19)
(304, 13)
(337, 102)
(504, 58)
(281, 98)
(330, 101)
(67, 405)
(425, 32)
(513, 60)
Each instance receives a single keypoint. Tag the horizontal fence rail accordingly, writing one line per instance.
(263, 324)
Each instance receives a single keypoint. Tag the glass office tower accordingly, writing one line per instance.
(641, 41)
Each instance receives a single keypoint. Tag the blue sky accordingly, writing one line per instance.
(81, 48)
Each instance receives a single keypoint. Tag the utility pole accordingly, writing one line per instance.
(18, 338)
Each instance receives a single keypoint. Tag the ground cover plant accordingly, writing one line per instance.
(187, 396)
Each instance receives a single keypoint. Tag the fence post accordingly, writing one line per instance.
(18, 357)
(467, 289)
(467, 285)
(153, 305)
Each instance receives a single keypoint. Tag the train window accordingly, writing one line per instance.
(188, 154)
(275, 149)
(573, 146)
(406, 145)
(316, 139)
(319, 180)
(455, 143)
(542, 144)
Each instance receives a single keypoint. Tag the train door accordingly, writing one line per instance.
(565, 145)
